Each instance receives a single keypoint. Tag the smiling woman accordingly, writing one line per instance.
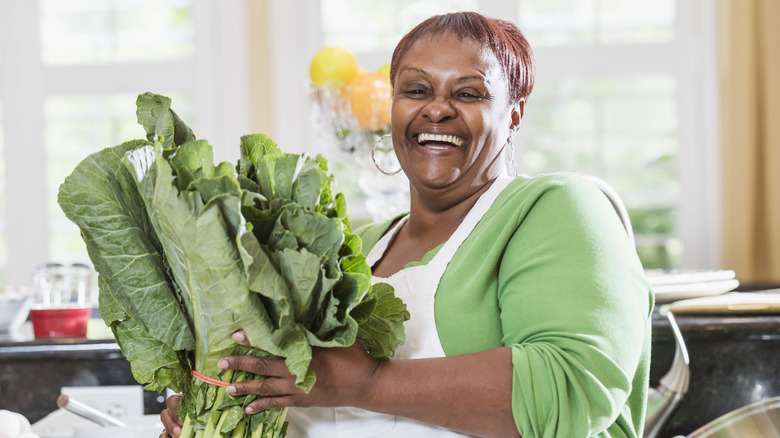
(529, 309)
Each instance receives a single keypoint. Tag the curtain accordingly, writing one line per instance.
(259, 57)
(750, 131)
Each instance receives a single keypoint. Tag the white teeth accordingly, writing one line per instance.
(425, 137)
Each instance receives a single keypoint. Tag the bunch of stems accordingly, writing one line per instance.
(226, 418)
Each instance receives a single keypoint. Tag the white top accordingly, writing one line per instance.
(416, 286)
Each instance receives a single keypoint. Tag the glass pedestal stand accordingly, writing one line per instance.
(387, 195)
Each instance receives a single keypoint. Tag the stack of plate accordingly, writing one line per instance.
(680, 284)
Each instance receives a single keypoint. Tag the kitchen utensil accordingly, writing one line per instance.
(88, 412)
(663, 400)
(147, 426)
(759, 419)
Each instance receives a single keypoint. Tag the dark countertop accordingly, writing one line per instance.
(734, 361)
(33, 371)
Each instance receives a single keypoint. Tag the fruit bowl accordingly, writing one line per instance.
(350, 110)
(63, 322)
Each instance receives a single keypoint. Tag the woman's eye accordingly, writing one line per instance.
(415, 92)
(468, 95)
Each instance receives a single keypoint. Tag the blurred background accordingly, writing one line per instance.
(672, 102)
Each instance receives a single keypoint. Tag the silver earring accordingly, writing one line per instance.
(511, 165)
(386, 157)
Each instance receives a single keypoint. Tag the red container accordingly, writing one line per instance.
(60, 323)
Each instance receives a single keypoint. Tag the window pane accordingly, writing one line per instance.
(583, 22)
(77, 126)
(90, 31)
(377, 25)
(619, 121)
(625, 130)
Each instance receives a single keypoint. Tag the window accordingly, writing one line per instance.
(71, 71)
(90, 31)
(625, 90)
(616, 116)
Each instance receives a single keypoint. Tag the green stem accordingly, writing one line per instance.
(281, 430)
(219, 425)
(216, 408)
(211, 425)
(239, 431)
(258, 433)
(186, 428)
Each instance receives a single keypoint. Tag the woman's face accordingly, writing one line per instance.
(451, 115)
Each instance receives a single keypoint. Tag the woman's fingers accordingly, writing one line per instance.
(239, 337)
(170, 417)
(265, 386)
(275, 384)
(172, 404)
(262, 366)
(265, 403)
(274, 377)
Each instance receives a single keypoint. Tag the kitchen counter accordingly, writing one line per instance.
(733, 361)
(33, 371)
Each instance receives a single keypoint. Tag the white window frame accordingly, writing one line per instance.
(216, 76)
(695, 64)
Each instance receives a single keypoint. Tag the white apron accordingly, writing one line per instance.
(416, 286)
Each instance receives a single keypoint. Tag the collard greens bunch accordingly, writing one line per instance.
(188, 252)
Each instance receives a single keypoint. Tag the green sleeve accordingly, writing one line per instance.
(550, 273)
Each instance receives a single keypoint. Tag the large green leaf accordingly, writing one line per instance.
(201, 251)
(100, 196)
(381, 316)
(161, 124)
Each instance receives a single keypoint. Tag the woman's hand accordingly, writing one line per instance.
(343, 378)
(170, 417)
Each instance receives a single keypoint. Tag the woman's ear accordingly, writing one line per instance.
(517, 115)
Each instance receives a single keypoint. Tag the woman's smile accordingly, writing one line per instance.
(438, 144)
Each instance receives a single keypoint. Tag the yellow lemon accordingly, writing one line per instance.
(370, 100)
(384, 70)
(333, 64)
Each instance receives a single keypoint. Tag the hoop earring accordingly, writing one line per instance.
(380, 144)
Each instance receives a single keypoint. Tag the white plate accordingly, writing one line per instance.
(733, 302)
(658, 277)
(673, 292)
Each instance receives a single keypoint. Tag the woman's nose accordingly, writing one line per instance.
(438, 109)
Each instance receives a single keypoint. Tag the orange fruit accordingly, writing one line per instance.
(333, 64)
(370, 100)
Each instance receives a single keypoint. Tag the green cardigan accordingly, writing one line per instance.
(549, 271)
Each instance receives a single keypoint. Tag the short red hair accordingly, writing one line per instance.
(502, 37)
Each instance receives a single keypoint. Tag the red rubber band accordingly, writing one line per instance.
(209, 380)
